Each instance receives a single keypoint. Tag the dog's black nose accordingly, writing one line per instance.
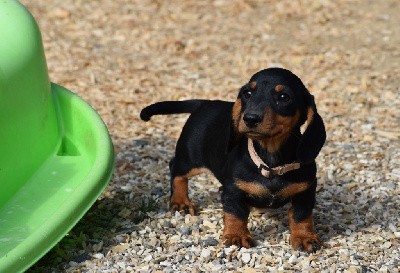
(252, 119)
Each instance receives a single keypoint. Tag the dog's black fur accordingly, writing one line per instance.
(270, 110)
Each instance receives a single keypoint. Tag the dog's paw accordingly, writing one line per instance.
(240, 240)
(307, 242)
(186, 207)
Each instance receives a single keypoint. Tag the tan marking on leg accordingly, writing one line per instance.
(236, 232)
(302, 235)
(292, 189)
(252, 188)
(180, 190)
(196, 171)
(180, 196)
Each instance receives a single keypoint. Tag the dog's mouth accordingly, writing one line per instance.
(252, 134)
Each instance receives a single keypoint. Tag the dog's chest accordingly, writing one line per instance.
(270, 191)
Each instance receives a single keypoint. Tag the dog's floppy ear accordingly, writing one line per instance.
(233, 136)
(314, 136)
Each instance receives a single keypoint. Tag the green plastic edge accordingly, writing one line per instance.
(35, 246)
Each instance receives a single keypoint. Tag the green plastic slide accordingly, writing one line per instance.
(56, 156)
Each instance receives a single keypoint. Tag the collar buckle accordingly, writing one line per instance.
(264, 170)
(280, 170)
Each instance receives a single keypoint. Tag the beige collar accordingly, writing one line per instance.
(264, 169)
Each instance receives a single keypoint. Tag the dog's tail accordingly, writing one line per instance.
(170, 107)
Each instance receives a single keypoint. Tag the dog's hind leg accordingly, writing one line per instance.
(180, 190)
(179, 196)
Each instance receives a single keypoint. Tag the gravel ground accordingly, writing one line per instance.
(122, 55)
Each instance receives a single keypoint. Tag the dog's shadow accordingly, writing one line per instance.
(336, 214)
(337, 211)
(342, 213)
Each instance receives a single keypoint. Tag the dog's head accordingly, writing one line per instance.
(272, 106)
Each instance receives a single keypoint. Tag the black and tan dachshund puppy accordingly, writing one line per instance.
(255, 148)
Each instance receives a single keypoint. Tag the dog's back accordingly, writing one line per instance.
(205, 137)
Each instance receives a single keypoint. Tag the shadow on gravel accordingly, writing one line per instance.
(123, 204)
(129, 198)
(344, 218)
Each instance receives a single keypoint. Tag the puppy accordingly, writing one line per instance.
(255, 149)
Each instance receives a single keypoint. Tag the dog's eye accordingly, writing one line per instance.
(247, 94)
(283, 97)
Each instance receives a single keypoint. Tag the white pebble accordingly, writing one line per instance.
(142, 232)
(246, 257)
(165, 263)
(148, 258)
(387, 245)
(208, 224)
(175, 239)
(292, 259)
(98, 255)
(348, 166)
(392, 228)
(153, 242)
(205, 253)
(384, 269)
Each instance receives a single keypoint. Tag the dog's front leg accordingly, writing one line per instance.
(236, 214)
(303, 236)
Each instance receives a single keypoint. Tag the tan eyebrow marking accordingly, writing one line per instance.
(279, 88)
(253, 85)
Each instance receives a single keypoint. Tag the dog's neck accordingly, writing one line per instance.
(276, 152)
